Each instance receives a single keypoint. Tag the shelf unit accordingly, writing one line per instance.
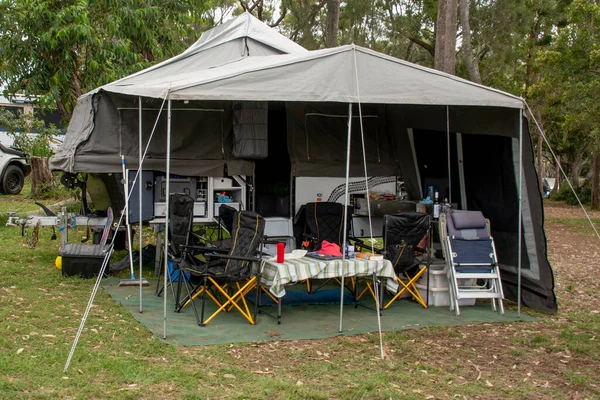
(234, 188)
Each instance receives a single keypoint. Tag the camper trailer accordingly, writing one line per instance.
(248, 117)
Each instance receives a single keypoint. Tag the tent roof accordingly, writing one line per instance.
(342, 74)
(235, 39)
(245, 25)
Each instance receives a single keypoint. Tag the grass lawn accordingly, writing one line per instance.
(24, 202)
(555, 358)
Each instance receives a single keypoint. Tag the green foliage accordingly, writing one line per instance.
(569, 82)
(60, 50)
(566, 195)
(19, 127)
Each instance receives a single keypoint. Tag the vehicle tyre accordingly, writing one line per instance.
(13, 179)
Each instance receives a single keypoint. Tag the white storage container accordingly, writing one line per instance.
(440, 297)
(222, 183)
(438, 277)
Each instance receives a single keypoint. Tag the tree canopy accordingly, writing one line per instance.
(544, 50)
(61, 49)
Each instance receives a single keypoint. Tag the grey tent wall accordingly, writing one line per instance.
(490, 165)
(317, 140)
(537, 289)
(80, 127)
(403, 150)
(202, 138)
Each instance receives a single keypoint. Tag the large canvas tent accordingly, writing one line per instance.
(420, 124)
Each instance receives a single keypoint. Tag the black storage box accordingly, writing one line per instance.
(84, 260)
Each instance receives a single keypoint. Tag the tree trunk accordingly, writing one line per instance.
(576, 168)
(595, 189)
(333, 21)
(470, 60)
(445, 37)
(540, 149)
(557, 176)
(540, 162)
(41, 177)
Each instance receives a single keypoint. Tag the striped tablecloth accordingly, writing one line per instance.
(276, 275)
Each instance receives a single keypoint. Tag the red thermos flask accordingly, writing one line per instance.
(280, 250)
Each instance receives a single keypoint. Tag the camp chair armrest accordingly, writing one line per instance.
(228, 257)
(197, 234)
(202, 249)
(271, 239)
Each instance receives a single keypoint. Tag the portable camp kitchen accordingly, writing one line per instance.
(205, 111)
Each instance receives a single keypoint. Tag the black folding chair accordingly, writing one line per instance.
(402, 234)
(181, 216)
(320, 221)
(227, 278)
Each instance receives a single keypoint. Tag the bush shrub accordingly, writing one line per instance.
(566, 195)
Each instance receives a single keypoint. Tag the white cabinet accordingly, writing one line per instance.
(230, 191)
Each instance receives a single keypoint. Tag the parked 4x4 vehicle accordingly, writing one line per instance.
(14, 167)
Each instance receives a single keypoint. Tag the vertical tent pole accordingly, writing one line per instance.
(346, 212)
(449, 163)
(167, 200)
(520, 224)
(139, 182)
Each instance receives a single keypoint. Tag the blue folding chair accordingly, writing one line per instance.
(472, 265)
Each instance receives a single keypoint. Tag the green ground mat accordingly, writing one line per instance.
(298, 322)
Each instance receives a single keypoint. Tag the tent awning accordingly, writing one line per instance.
(344, 74)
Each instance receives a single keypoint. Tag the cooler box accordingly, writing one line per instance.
(84, 260)
(174, 272)
(440, 297)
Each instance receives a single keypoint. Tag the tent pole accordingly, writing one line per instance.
(449, 163)
(345, 212)
(520, 224)
(139, 182)
(167, 200)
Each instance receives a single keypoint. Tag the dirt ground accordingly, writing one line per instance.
(521, 356)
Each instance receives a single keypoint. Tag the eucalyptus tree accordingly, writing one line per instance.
(568, 89)
(445, 36)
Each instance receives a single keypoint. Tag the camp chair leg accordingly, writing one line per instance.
(368, 288)
(256, 299)
(410, 288)
(242, 298)
(205, 286)
(456, 308)
(501, 306)
(179, 306)
(242, 291)
(177, 297)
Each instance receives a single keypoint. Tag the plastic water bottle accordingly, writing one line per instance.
(436, 207)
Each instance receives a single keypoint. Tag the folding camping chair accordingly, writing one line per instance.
(227, 278)
(316, 222)
(87, 251)
(181, 215)
(471, 262)
(402, 233)
(320, 221)
(226, 214)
